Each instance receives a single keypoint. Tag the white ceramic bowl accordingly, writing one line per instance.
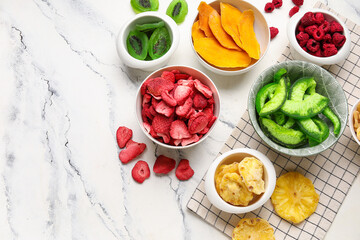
(141, 18)
(351, 124)
(197, 74)
(299, 54)
(261, 29)
(226, 158)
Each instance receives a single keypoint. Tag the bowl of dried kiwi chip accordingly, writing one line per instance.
(147, 41)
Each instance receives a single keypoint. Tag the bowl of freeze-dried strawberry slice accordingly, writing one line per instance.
(177, 106)
(318, 36)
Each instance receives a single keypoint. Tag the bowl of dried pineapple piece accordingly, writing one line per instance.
(240, 180)
(253, 228)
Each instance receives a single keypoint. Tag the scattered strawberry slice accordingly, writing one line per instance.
(168, 76)
(161, 124)
(132, 150)
(182, 93)
(184, 171)
(178, 130)
(193, 139)
(140, 171)
(184, 109)
(200, 101)
(205, 90)
(163, 165)
(181, 76)
(156, 85)
(164, 109)
(197, 122)
(170, 100)
(123, 135)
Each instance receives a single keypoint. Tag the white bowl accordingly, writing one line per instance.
(197, 74)
(261, 29)
(351, 124)
(299, 54)
(269, 179)
(141, 18)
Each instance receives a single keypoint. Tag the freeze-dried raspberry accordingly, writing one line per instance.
(338, 40)
(325, 26)
(319, 18)
(327, 38)
(302, 38)
(301, 28)
(310, 29)
(329, 49)
(269, 7)
(308, 19)
(317, 53)
(336, 27)
(273, 32)
(318, 34)
(305, 49)
(298, 2)
(312, 45)
(293, 11)
(277, 3)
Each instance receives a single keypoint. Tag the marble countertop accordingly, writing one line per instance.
(63, 94)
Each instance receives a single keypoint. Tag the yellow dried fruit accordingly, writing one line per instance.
(253, 229)
(234, 191)
(294, 197)
(220, 172)
(251, 171)
(196, 32)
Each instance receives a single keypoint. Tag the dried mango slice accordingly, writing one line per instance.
(220, 172)
(294, 197)
(247, 35)
(253, 228)
(230, 20)
(251, 171)
(234, 191)
(196, 32)
(204, 11)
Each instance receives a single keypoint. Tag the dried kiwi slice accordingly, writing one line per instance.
(137, 44)
(149, 26)
(159, 42)
(144, 5)
(177, 10)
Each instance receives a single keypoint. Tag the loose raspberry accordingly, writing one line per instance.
(273, 32)
(179, 130)
(301, 28)
(195, 138)
(319, 18)
(317, 53)
(311, 29)
(318, 34)
(168, 76)
(205, 90)
(325, 26)
(133, 149)
(302, 38)
(163, 165)
(338, 40)
(329, 49)
(184, 171)
(336, 27)
(305, 49)
(269, 7)
(313, 45)
(327, 38)
(308, 19)
(164, 109)
(140, 171)
(197, 122)
(123, 135)
(293, 11)
(298, 2)
(277, 3)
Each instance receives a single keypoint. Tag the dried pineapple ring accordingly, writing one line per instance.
(253, 228)
(234, 191)
(251, 172)
(220, 172)
(294, 197)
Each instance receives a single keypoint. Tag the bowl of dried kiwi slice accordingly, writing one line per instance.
(147, 41)
(298, 108)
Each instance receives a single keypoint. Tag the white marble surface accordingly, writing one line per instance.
(64, 92)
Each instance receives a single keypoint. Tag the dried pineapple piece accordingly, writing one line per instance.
(220, 172)
(294, 197)
(253, 229)
(234, 191)
(251, 172)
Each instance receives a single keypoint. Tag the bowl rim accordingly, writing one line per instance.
(298, 152)
(136, 63)
(342, 53)
(214, 196)
(140, 122)
(350, 120)
(229, 72)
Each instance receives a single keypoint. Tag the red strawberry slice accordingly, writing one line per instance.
(130, 142)
(161, 124)
(154, 102)
(178, 130)
(146, 99)
(182, 93)
(179, 76)
(184, 109)
(197, 122)
(164, 109)
(144, 86)
(170, 100)
(184, 171)
(205, 90)
(211, 122)
(132, 150)
(159, 84)
(175, 71)
(204, 131)
(140, 171)
(165, 137)
(211, 101)
(168, 76)
(188, 83)
(152, 112)
(123, 135)
(190, 113)
(176, 142)
(200, 101)
(147, 126)
(193, 139)
(163, 165)
(209, 113)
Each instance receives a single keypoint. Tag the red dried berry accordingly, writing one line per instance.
(133, 149)
(318, 34)
(319, 18)
(205, 90)
(317, 53)
(269, 7)
(327, 38)
(312, 45)
(165, 137)
(273, 32)
(123, 135)
(161, 124)
(293, 11)
(195, 138)
(184, 109)
(308, 19)
(277, 3)
(302, 38)
(329, 49)
(184, 171)
(163, 108)
(181, 76)
(175, 71)
(301, 28)
(311, 29)
(163, 165)
(140, 171)
(181, 93)
(197, 122)
(338, 40)
(169, 99)
(156, 85)
(179, 130)
(325, 26)
(336, 27)
(168, 76)
(305, 49)
(298, 2)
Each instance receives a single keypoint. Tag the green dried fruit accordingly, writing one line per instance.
(149, 26)
(137, 44)
(144, 5)
(177, 10)
(159, 42)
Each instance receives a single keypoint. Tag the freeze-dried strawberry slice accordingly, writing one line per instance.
(191, 112)
(146, 99)
(181, 93)
(133, 149)
(154, 102)
(165, 137)
(176, 142)
(193, 139)
(179, 76)
(185, 108)
(170, 100)
(197, 122)
(208, 112)
(175, 71)
(123, 135)
(144, 87)
(163, 165)
(200, 101)
(164, 109)
(188, 83)
(205, 90)
(168, 76)
(152, 112)
(184, 171)
(140, 171)
(211, 122)
(156, 85)
(161, 124)
(178, 130)
(204, 131)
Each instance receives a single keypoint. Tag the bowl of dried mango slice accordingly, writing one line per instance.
(229, 37)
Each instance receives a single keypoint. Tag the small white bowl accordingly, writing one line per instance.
(197, 74)
(299, 54)
(227, 158)
(262, 33)
(141, 18)
(351, 124)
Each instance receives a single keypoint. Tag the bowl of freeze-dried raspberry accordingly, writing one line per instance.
(319, 37)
